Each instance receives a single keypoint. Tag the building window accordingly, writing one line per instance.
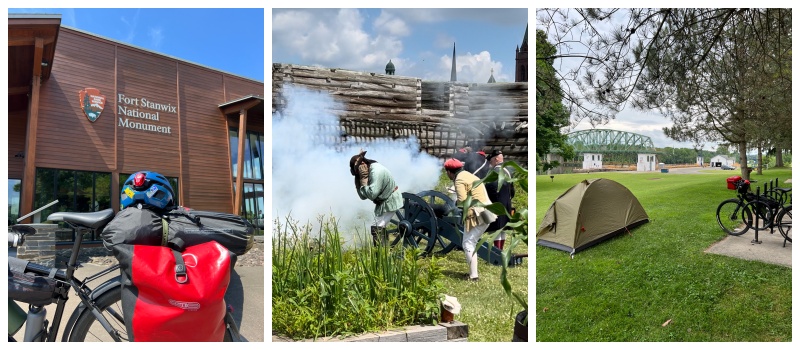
(173, 181)
(253, 168)
(14, 192)
(76, 191)
(253, 203)
(253, 174)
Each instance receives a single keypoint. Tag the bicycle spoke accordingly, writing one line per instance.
(730, 216)
(785, 223)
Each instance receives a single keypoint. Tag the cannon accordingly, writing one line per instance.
(431, 221)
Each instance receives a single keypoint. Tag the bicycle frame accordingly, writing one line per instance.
(89, 297)
(66, 280)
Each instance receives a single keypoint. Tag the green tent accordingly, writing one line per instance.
(588, 213)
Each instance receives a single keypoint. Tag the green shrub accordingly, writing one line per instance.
(320, 288)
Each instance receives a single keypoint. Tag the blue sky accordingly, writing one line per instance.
(234, 45)
(418, 41)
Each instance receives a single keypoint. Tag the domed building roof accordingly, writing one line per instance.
(390, 68)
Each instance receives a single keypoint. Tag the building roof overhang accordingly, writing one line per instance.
(31, 48)
(246, 102)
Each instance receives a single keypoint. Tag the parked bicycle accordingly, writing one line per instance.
(98, 317)
(785, 223)
(98, 306)
(754, 211)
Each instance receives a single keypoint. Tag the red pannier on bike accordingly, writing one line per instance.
(736, 183)
(732, 182)
(176, 268)
(166, 299)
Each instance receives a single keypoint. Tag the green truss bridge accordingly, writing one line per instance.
(606, 141)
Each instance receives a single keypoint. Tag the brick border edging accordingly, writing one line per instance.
(454, 331)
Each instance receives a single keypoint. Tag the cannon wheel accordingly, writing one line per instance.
(414, 224)
(443, 205)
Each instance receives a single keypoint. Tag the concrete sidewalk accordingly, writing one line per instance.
(245, 294)
(770, 250)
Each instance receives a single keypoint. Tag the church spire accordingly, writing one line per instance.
(453, 70)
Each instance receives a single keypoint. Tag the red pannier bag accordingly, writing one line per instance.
(168, 300)
(732, 182)
(164, 299)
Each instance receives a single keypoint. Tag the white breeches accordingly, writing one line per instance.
(384, 219)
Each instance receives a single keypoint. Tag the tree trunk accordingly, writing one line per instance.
(743, 160)
(778, 156)
(759, 161)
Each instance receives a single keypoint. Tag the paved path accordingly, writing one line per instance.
(770, 250)
(703, 170)
(247, 284)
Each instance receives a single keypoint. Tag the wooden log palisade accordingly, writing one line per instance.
(443, 116)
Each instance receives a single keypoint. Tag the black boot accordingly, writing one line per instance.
(374, 231)
(379, 235)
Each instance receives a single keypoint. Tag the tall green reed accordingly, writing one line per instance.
(322, 288)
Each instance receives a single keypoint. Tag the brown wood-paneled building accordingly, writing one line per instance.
(85, 112)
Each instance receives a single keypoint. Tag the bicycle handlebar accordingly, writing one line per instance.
(15, 239)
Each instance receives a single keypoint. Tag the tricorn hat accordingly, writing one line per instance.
(493, 153)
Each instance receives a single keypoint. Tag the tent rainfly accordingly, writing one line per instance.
(588, 213)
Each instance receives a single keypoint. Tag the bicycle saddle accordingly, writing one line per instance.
(93, 220)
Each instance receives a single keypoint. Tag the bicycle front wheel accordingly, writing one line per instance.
(785, 223)
(88, 329)
(730, 217)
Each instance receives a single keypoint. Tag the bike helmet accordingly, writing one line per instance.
(147, 188)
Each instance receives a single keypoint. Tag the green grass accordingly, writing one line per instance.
(300, 275)
(321, 288)
(485, 307)
(624, 289)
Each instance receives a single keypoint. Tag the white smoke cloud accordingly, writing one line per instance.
(310, 171)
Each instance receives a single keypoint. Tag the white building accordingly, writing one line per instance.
(592, 161)
(720, 160)
(646, 162)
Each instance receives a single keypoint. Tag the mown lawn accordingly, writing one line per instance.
(627, 288)
(485, 307)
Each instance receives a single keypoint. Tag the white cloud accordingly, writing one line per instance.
(470, 68)
(444, 41)
(650, 124)
(131, 26)
(156, 37)
(336, 38)
(347, 39)
(68, 17)
(388, 23)
(511, 17)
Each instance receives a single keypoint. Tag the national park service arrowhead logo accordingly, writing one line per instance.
(92, 103)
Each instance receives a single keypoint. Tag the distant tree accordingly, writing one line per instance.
(551, 115)
(715, 72)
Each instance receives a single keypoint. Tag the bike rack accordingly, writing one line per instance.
(37, 217)
(755, 223)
